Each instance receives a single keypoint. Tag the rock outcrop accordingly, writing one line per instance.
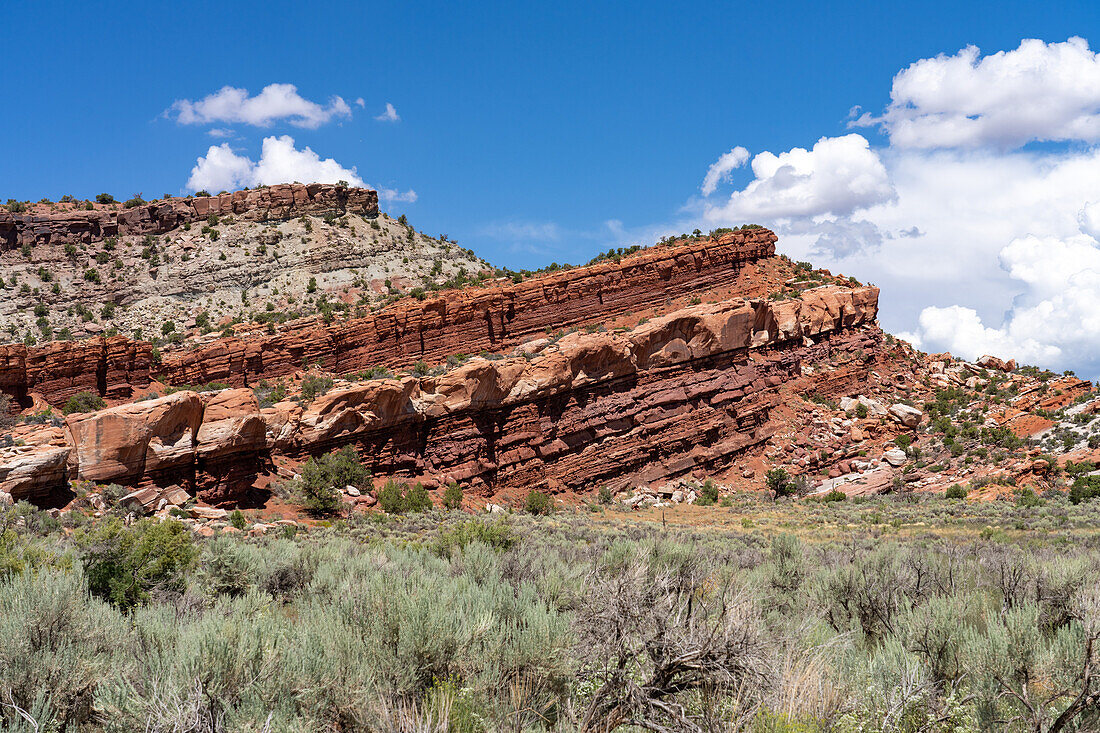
(454, 321)
(112, 367)
(283, 201)
(480, 319)
(681, 393)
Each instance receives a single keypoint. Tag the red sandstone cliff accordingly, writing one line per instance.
(679, 394)
(454, 321)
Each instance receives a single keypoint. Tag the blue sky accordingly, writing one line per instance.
(546, 132)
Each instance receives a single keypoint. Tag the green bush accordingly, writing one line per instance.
(497, 534)
(127, 565)
(708, 494)
(314, 386)
(83, 402)
(1084, 488)
(56, 646)
(322, 479)
(538, 503)
(417, 499)
(779, 482)
(452, 497)
(237, 519)
(391, 498)
(956, 491)
(395, 498)
(104, 198)
(1028, 499)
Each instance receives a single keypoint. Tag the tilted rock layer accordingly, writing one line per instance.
(465, 321)
(678, 395)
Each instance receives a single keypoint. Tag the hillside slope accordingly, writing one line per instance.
(71, 271)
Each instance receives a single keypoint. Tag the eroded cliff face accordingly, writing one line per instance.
(283, 201)
(476, 319)
(681, 394)
(466, 321)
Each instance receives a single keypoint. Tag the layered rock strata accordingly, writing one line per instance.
(113, 367)
(478, 319)
(682, 393)
(283, 201)
(454, 321)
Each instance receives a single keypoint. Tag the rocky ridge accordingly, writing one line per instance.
(162, 270)
(588, 407)
(615, 376)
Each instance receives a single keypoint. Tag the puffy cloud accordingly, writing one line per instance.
(393, 196)
(720, 170)
(1039, 91)
(361, 102)
(838, 238)
(1055, 322)
(961, 331)
(221, 170)
(280, 162)
(390, 115)
(275, 102)
(1089, 220)
(838, 176)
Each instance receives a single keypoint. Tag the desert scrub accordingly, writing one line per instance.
(554, 623)
(322, 480)
(83, 402)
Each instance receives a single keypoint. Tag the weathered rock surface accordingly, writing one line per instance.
(992, 362)
(112, 367)
(905, 415)
(679, 393)
(283, 201)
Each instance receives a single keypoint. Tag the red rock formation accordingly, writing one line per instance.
(283, 201)
(679, 394)
(113, 367)
(476, 319)
(455, 321)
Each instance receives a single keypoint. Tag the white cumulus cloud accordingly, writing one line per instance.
(1039, 91)
(389, 115)
(275, 102)
(1054, 321)
(720, 170)
(280, 162)
(837, 176)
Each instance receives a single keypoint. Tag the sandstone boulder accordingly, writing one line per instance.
(905, 415)
(992, 362)
(27, 471)
(895, 457)
(231, 423)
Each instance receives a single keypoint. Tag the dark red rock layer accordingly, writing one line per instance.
(110, 366)
(476, 319)
(262, 204)
(693, 418)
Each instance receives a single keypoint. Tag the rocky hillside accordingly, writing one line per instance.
(703, 364)
(159, 270)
